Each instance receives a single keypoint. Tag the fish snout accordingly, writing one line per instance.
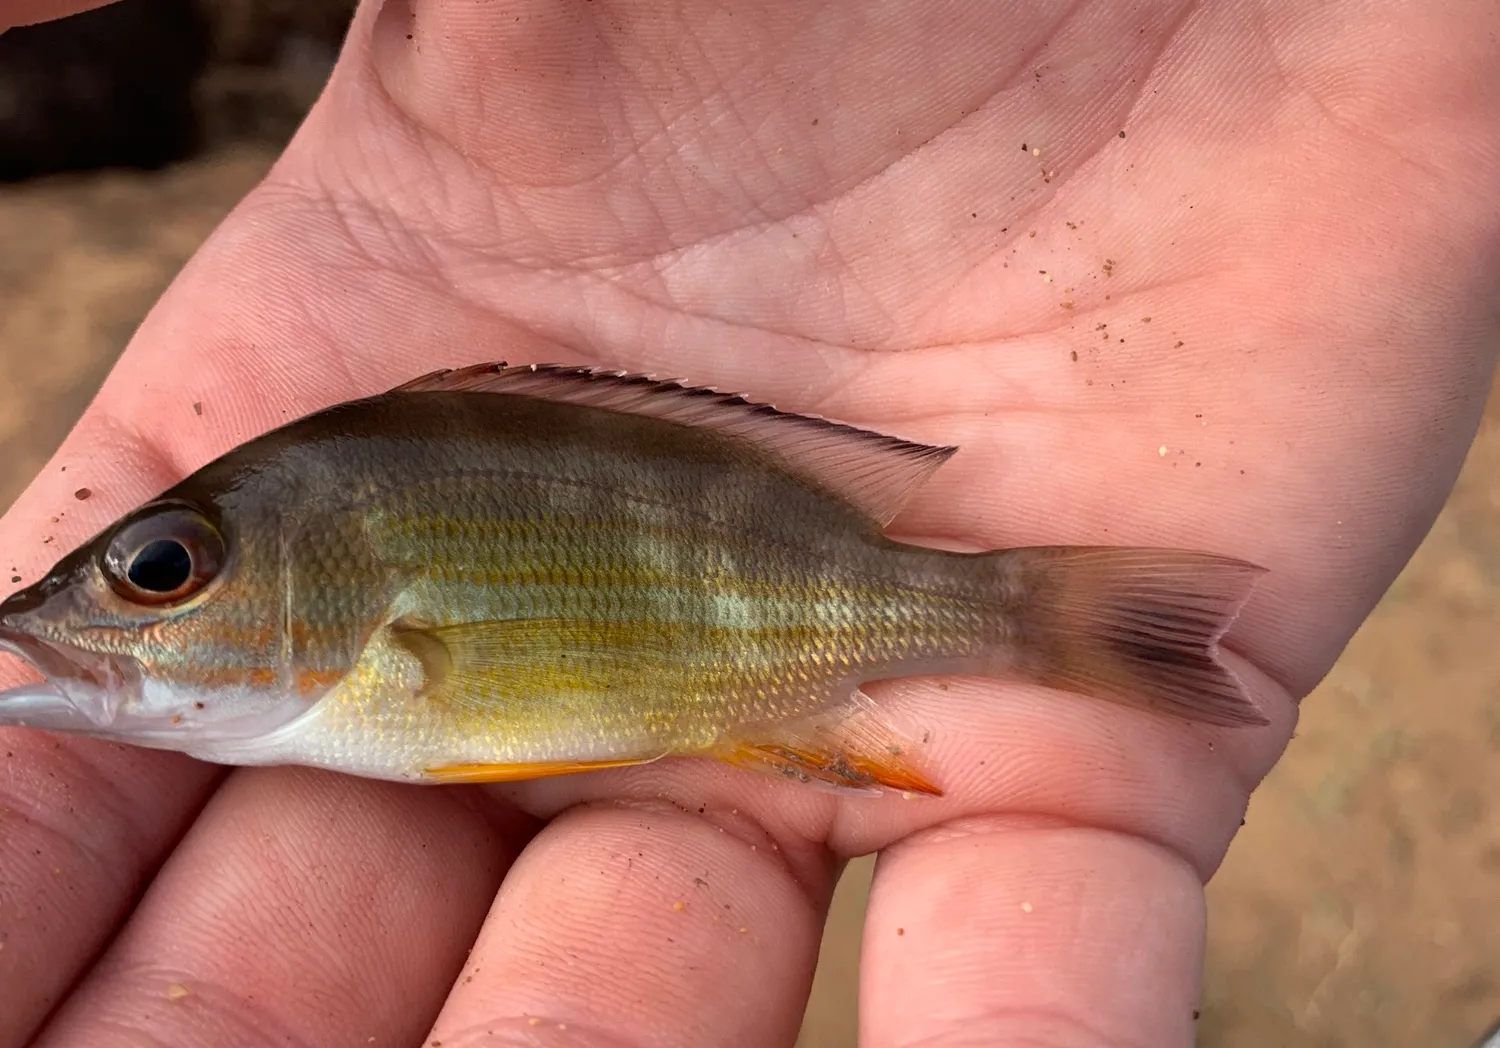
(81, 691)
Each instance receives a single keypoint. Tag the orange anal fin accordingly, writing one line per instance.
(833, 767)
(459, 773)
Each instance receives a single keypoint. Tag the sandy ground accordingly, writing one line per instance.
(1360, 906)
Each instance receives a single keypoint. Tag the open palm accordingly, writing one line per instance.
(1211, 276)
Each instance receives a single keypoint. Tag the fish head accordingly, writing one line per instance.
(165, 630)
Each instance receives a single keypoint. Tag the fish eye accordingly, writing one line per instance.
(163, 555)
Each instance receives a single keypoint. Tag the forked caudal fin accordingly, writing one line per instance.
(1136, 626)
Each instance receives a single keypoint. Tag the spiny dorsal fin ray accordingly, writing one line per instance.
(871, 471)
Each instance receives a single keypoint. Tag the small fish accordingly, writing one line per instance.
(500, 573)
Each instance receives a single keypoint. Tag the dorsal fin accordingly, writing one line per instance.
(873, 472)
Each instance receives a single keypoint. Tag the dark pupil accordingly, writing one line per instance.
(161, 566)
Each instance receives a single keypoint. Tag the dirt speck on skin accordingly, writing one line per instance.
(83, 494)
(198, 407)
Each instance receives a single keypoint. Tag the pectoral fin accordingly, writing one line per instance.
(476, 665)
(529, 672)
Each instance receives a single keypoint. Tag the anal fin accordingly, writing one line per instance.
(859, 772)
(461, 773)
(853, 749)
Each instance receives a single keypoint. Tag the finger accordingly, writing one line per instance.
(1061, 901)
(82, 826)
(1000, 933)
(645, 925)
(29, 12)
(303, 908)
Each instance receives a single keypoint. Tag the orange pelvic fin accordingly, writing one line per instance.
(854, 749)
(460, 773)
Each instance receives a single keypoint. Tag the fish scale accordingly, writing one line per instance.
(804, 596)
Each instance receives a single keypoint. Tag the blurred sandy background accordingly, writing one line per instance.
(1360, 905)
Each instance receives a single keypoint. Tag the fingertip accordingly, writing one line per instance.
(638, 924)
(1000, 933)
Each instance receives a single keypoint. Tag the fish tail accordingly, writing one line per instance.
(1135, 626)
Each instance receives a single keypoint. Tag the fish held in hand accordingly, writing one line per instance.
(501, 573)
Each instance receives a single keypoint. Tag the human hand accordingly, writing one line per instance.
(829, 207)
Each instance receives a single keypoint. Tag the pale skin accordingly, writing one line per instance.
(827, 206)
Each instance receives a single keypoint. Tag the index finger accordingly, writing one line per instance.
(647, 921)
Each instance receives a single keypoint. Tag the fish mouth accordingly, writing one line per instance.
(83, 691)
(101, 695)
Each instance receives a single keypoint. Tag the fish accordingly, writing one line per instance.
(507, 572)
